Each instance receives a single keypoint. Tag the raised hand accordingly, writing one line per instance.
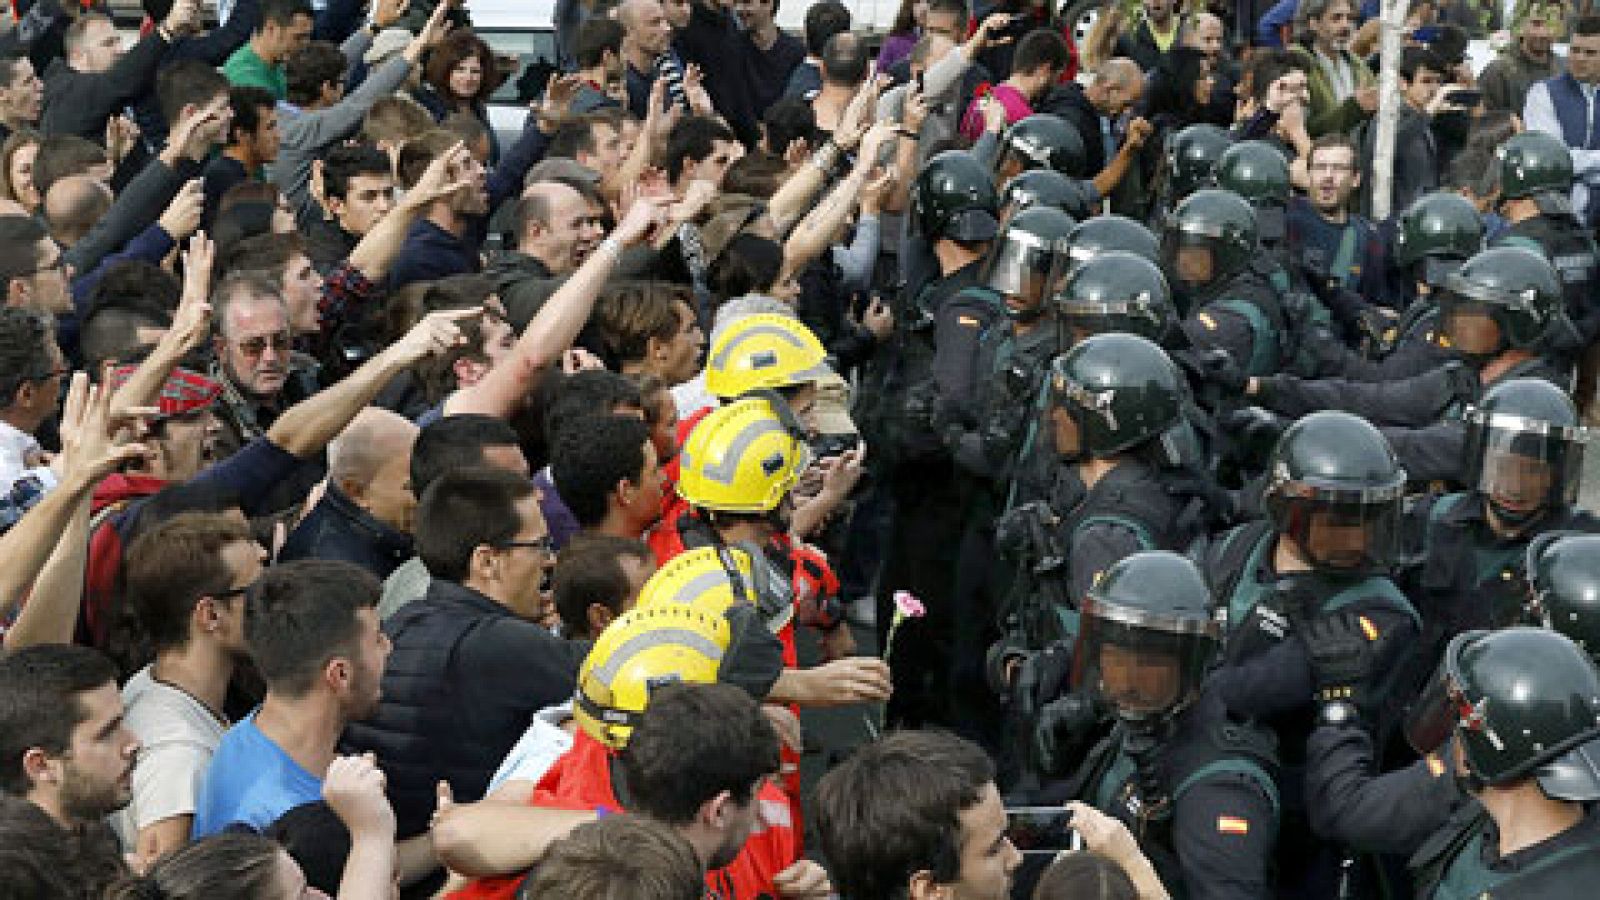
(436, 333)
(354, 790)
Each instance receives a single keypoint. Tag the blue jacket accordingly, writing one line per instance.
(338, 529)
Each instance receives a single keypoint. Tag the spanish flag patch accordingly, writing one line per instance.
(1232, 825)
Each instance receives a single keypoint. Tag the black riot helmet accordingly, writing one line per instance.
(1022, 257)
(1111, 232)
(1441, 228)
(1334, 489)
(953, 197)
(1257, 171)
(1117, 291)
(1042, 141)
(1523, 703)
(1046, 187)
(1516, 288)
(1150, 612)
(1111, 393)
(1525, 449)
(1208, 239)
(1563, 572)
(1192, 156)
(1536, 164)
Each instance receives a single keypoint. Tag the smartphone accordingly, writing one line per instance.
(1042, 830)
(1463, 97)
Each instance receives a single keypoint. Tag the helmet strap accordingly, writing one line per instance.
(1143, 744)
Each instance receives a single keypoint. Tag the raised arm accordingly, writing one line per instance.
(379, 247)
(190, 326)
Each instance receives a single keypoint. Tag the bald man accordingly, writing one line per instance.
(72, 206)
(365, 514)
(647, 52)
(556, 229)
(1116, 85)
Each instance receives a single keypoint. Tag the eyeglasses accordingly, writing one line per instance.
(256, 346)
(544, 544)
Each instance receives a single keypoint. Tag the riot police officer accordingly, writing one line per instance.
(1257, 171)
(1523, 706)
(1047, 187)
(926, 365)
(1333, 500)
(1535, 196)
(1196, 788)
(1116, 291)
(1495, 313)
(1190, 163)
(1110, 231)
(1041, 141)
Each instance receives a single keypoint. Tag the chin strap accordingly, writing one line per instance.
(1153, 809)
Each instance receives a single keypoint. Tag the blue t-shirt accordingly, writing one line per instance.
(250, 781)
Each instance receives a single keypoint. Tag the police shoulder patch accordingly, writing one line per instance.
(968, 321)
(1232, 825)
(1207, 321)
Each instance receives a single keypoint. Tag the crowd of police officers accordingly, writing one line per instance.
(1282, 570)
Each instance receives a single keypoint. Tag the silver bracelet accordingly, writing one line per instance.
(612, 246)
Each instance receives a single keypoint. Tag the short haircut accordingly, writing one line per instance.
(283, 12)
(587, 393)
(110, 333)
(18, 139)
(240, 286)
(694, 742)
(1041, 47)
(455, 442)
(465, 125)
(893, 808)
(595, 36)
(589, 456)
(24, 350)
(249, 103)
(823, 21)
(64, 155)
(463, 510)
(231, 864)
(1413, 59)
(309, 68)
(76, 33)
(787, 121)
(187, 82)
(1335, 140)
(393, 119)
(9, 64)
(618, 856)
(951, 7)
(39, 707)
(1587, 25)
(168, 569)
(348, 161)
(692, 140)
(465, 291)
(1267, 66)
(589, 571)
(42, 859)
(756, 174)
(846, 59)
(1084, 876)
(628, 315)
(417, 153)
(457, 46)
(301, 615)
(19, 246)
(749, 265)
(572, 137)
(268, 254)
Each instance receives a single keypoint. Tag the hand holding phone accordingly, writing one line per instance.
(1044, 830)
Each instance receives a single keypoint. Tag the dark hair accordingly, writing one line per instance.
(957, 7)
(694, 742)
(595, 37)
(1267, 66)
(8, 67)
(268, 254)
(1414, 58)
(1587, 25)
(1084, 876)
(618, 856)
(24, 351)
(300, 615)
(629, 315)
(348, 161)
(893, 808)
(187, 82)
(64, 155)
(240, 221)
(42, 859)
(416, 154)
(1334, 140)
(589, 456)
(283, 12)
(786, 121)
(19, 246)
(755, 174)
(313, 835)
(589, 571)
(749, 265)
(309, 68)
(845, 60)
(692, 140)
(455, 442)
(394, 118)
(448, 53)
(463, 510)
(248, 103)
(39, 689)
(905, 19)
(171, 566)
(823, 21)
(240, 865)
(1041, 47)
(572, 137)
(110, 333)
(584, 394)
(464, 291)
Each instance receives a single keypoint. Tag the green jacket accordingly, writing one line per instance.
(1506, 80)
(245, 68)
(1325, 116)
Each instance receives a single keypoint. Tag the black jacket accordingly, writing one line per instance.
(80, 102)
(1069, 102)
(463, 682)
(338, 529)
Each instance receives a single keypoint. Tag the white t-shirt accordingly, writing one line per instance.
(179, 736)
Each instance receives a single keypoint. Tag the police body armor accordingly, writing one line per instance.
(1571, 250)
(1450, 865)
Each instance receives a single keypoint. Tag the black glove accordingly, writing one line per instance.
(1344, 648)
(1217, 367)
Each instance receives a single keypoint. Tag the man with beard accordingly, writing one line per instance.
(1506, 80)
(185, 581)
(1332, 246)
(66, 752)
(312, 629)
(1344, 92)
(607, 472)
